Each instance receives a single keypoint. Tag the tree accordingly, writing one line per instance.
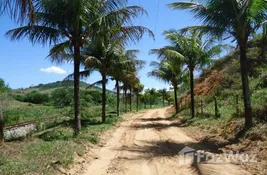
(152, 94)
(62, 97)
(138, 88)
(103, 54)
(163, 93)
(169, 71)
(69, 24)
(145, 98)
(3, 89)
(190, 50)
(226, 19)
(125, 70)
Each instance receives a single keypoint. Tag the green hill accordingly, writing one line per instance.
(50, 87)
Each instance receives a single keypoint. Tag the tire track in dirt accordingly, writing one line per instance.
(148, 144)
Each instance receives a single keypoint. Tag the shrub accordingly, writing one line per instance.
(3, 86)
(36, 98)
(62, 97)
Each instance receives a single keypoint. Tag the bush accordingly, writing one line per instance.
(96, 96)
(62, 97)
(36, 98)
(18, 97)
(3, 86)
(32, 97)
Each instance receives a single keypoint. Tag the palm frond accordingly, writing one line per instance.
(36, 34)
(19, 10)
(83, 75)
(61, 53)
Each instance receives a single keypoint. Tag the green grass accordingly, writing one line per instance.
(37, 156)
(31, 112)
(39, 153)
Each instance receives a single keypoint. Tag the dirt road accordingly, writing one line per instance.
(149, 144)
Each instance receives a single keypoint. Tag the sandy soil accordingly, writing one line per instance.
(148, 143)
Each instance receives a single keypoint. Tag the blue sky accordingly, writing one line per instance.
(24, 64)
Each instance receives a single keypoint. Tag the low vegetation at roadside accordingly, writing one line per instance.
(52, 150)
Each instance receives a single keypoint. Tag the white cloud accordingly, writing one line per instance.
(53, 69)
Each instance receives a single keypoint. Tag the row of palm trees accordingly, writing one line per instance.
(152, 97)
(220, 20)
(229, 19)
(88, 33)
(185, 54)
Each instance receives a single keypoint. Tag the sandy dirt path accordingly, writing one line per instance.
(148, 143)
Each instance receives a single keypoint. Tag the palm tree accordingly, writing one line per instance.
(169, 71)
(226, 19)
(106, 54)
(128, 81)
(163, 93)
(69, 24)
(138, 88)
(104, 57)
(127, 70)
(145, 97)
(263, 42)
(192, 51)
(152, 94)
(19, 10)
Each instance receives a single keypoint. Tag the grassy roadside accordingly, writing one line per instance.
(44, 152)
(226, 133)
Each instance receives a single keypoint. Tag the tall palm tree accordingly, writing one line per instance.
(125, 70)
(263, 42)
(192, 51)
(105, 54)
(138, 88)
(128, 81)
(226, 19)
(145, 97)
(163, 93)
(169, 71)
(69, 24)
(152, 94)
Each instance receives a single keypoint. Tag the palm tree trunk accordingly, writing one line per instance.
(118, 97)
(176, 100)
(1, 129)
(245, 85)
(123, 98)
(77, 117)
(137, 102)
(163, 100)
(191, 71)
(103, 97)
(125, 104)
(130, 99)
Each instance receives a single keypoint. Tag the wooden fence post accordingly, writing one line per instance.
(217, 113)
(201, 104)
(1, 126)
(237, 108)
